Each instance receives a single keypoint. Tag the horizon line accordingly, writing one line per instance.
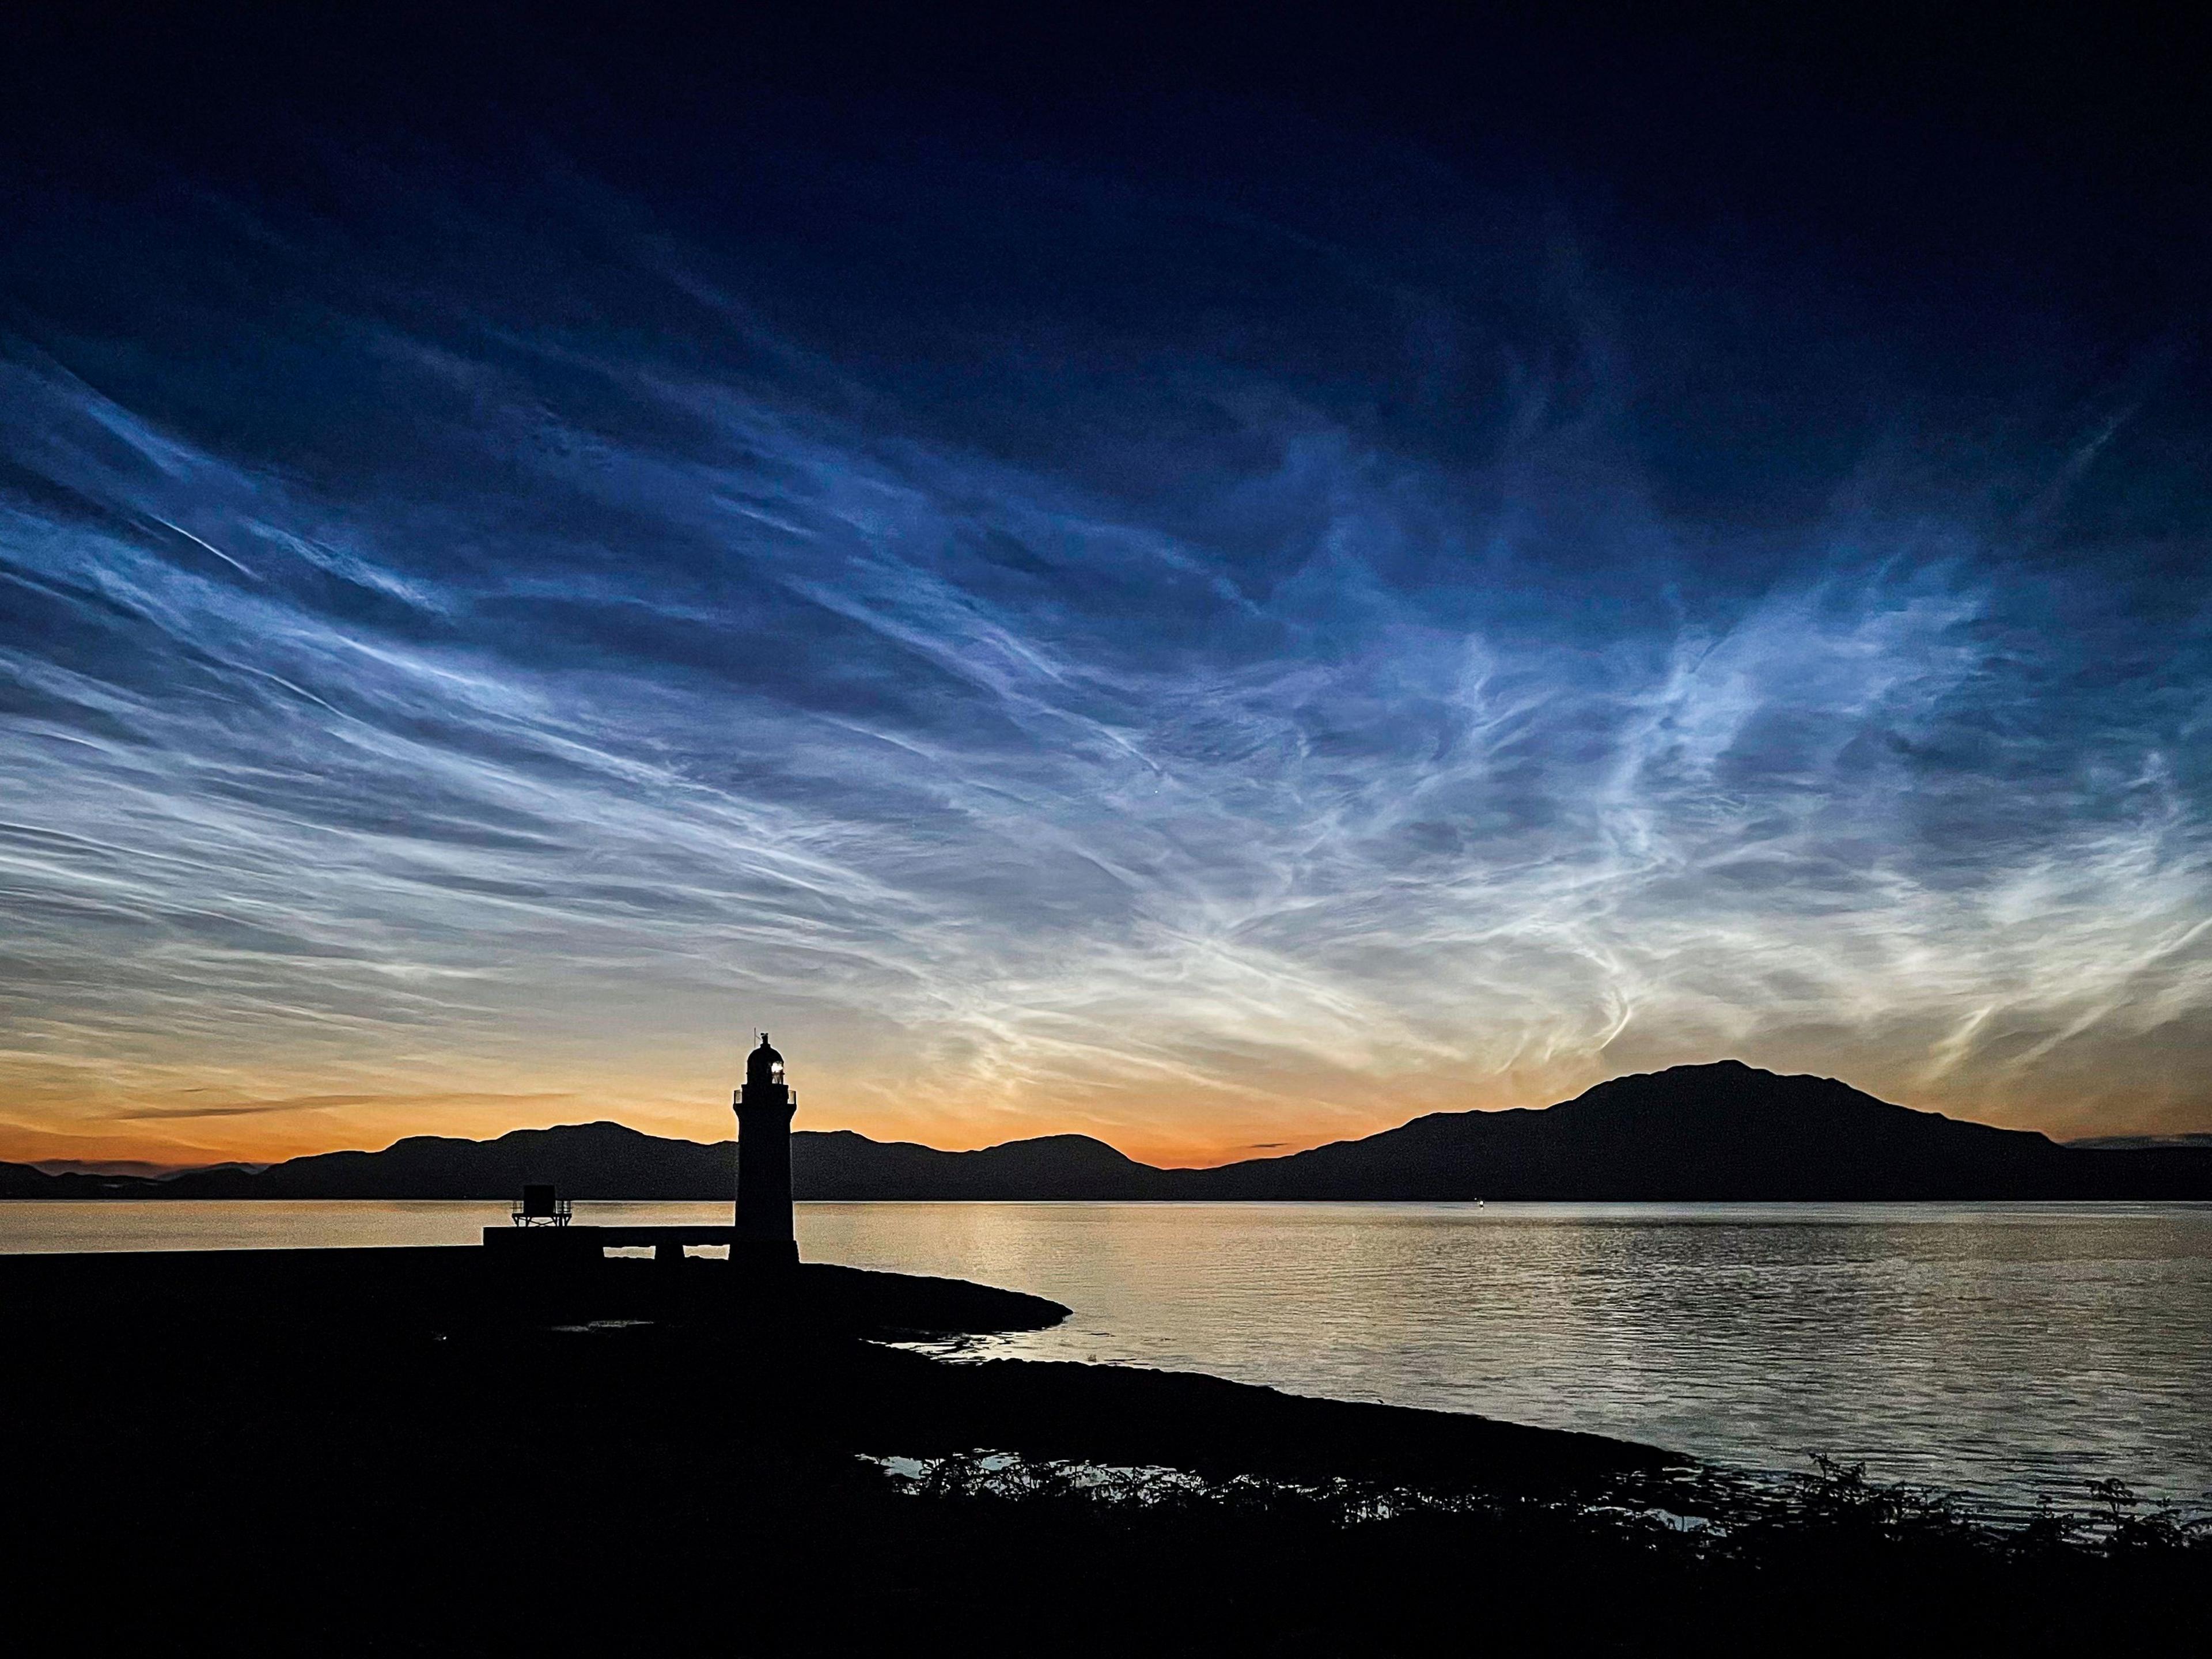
(165, 1171)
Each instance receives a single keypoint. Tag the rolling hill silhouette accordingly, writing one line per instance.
(1724, 1131)
(1718, 1131)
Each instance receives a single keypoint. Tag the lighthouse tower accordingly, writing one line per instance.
(764, 1107)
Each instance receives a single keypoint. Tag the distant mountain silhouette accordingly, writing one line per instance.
(129, 1166)
(1717, 1132)
(842, 1165)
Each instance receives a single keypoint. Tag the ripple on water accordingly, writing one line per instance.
(2001, 1349)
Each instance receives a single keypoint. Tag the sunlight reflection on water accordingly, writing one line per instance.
(2001, 1348)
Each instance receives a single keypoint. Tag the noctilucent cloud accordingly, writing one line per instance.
(1183, 653)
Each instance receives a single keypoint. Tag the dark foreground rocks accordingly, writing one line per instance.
(414, 1450)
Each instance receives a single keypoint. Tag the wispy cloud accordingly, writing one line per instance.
(522, 704)
(336, 1103)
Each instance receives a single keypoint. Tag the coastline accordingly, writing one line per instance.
(419, 1449)
(1622, 1321)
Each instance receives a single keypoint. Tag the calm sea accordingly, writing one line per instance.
(2002, 1349)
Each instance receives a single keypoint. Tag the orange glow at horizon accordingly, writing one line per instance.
(153, 1115)
(449, 692)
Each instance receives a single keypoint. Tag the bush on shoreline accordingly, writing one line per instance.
(1706, 1511)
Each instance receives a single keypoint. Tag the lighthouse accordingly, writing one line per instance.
(764, 1106)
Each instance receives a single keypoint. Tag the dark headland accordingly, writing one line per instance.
(1725, 1131)
(460, 1450)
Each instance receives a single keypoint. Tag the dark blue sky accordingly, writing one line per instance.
(1219, 588)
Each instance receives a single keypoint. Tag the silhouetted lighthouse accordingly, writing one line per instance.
(764, 1107)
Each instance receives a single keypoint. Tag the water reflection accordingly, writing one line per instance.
(2004, 1349)
(2000, 1348)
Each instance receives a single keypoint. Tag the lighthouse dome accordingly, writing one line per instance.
(764, 1064)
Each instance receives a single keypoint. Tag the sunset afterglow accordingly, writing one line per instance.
(1124, 646)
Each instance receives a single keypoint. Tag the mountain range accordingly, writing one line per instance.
(1724, 1131)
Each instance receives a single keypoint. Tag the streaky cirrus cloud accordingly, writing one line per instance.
(431, 709)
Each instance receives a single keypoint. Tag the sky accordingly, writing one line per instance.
(1213, 596)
